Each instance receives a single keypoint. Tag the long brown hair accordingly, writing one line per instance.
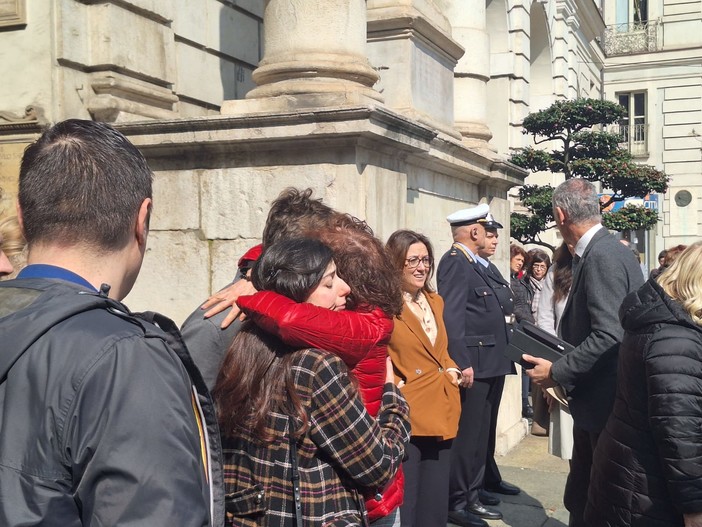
(562, 273)
(256, 377)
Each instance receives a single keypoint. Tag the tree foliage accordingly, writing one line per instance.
(583, 152)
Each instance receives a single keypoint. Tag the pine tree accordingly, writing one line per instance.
(587, 152)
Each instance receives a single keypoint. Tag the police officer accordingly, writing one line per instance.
(492, 481)
(478, 334)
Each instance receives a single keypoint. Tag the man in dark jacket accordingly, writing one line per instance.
(101, 422)
(477, 333)
(604, 272)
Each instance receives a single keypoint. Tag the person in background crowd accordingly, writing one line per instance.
(419, 352)
(493, 478)
(478, 334)
(661, 260)
(637, 254)
(527, 292)
(13, 246)
(104, 420)
(604, 272)
(554, 294)
(646, 469)
(518, 257)
(284, 411)
(672, 254)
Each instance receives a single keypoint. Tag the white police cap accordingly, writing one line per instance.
(469, 216)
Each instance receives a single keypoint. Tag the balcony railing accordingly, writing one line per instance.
(634, 137)
(625, 39)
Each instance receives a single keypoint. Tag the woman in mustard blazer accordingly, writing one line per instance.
(419, 351)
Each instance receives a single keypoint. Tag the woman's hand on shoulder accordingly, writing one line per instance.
(226, 298)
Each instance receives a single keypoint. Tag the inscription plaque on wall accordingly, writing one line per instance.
(10, 159)
(12, 13)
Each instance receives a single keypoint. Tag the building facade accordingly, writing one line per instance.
(654, 69)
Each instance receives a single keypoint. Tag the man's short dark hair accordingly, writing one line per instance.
(82, 182)
(293, 214)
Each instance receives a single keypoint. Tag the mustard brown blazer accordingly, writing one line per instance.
(435, 404)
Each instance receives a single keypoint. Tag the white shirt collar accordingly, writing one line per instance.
(469, 251)
(586, 238)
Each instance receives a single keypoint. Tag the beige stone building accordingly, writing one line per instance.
(654, 68)
(397, 111)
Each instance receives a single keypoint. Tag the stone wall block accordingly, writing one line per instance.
(176, 201)
(72, 43)
(199, 74)
(176, 267)
(242, 41)
(235, 202)
(225, 257)
(126, 40)
(157, 9)
(193, 27)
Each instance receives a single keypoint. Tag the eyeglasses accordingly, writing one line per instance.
(413, 262)
(541, 266)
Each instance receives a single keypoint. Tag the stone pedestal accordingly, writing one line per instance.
(314, 57)
(410, 44)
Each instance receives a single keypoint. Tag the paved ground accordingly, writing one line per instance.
(541, 477)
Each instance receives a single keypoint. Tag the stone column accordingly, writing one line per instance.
(472, 72)
(315, 48)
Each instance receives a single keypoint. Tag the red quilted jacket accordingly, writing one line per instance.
(359, 338)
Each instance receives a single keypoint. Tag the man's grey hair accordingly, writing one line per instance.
(578, 198)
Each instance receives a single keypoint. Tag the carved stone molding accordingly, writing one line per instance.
(30, 122)
(118, 98)
(12, 14)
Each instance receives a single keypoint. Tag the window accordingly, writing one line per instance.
(633, 127)
(631, 14)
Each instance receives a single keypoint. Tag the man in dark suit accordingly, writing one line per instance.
(604, 272)
(477, 333)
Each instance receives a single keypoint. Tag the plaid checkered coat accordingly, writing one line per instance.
(344, 449)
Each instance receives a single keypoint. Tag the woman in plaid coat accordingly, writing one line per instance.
(267, 392)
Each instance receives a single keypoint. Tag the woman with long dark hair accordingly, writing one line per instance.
(358, 335)
(419, 351)
(274, 400)
(554, 294)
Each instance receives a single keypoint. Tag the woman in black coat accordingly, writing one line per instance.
(647, 467)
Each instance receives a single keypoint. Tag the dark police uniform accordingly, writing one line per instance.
(503, 291)
(478, 334)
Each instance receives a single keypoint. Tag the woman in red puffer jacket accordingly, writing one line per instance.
(359, 335)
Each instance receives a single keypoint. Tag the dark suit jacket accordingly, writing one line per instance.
(435, 404)
(474, 319)
(606, 273)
